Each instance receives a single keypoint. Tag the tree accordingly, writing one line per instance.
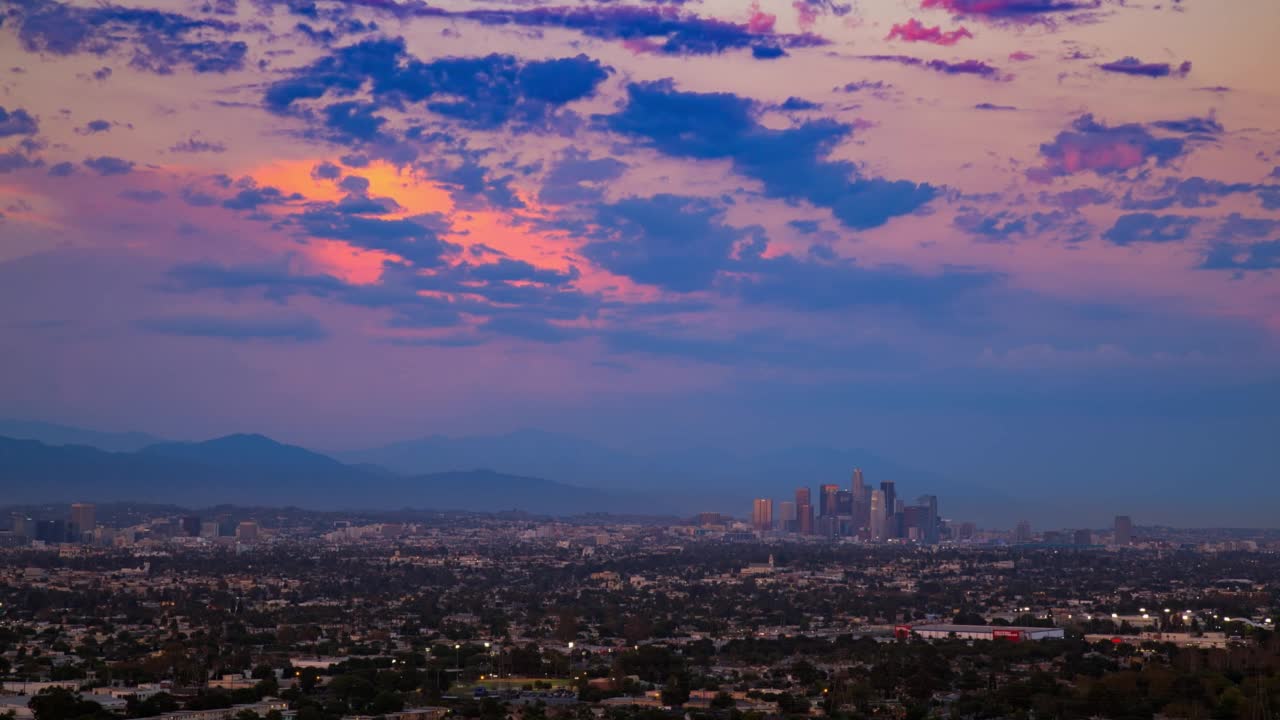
(675, 692)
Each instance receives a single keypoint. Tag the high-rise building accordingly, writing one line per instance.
(82, 520)
(827, 499)
(802, 497)
(1124, 530)
(804, 518)
(930, 528)
(247, 531)
(877, 513)
(1022, 533)
(857, 486)
(1083, 537)
(787, 515)
(762, 514)
(844, 504)
(890, 496)
(191, 525)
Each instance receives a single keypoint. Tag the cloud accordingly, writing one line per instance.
(1093, 146)
(1150, 228)
(95, 126)
(997, 228)
(963, 67)
(672, 242)
(107, 165)
(272, 329)
(1240, 257)
(62, 169)
(788, 162)
(158, 41)
(411, 239)
(915, 31)
(1192, 192)
(577, 177)
(1011, 9)
(196, 145)
(13, 160)
(666, 30)
(482, 92)
(17, 122)
(252, 198)
(1133, 66)
(1202, 126)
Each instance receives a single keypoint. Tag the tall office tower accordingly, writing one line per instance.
(827, 499)
(1022, 533)
(890, 496)
(930, 529)
(966, 531)
(1083, 537)
(877, 515)
(787, 515)
(844, 504)
(802, 497)
(1124, 530)
(804, 518)
(247, 531)
(191, 526)
(82, 520)
(23, 526)
(857, 486)
(762, 514)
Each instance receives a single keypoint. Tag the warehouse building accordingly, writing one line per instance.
(977, 632)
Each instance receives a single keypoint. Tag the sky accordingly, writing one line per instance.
(1030, 244)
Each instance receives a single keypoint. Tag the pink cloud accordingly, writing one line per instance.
(760, 23)
(806, 14)
(1021, 56)
(915, 31)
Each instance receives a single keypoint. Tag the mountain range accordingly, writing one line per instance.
(530, 470)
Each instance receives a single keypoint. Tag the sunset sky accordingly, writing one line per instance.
(1019, 242)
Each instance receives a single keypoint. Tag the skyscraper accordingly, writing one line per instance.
(787, 515)
(802, 496)
(857, 486)
(890, 495)
(827, 499)
(877, 518)
(931, 518)
(82, 520)
(1124, 530)
(1022, 533)
(844, 504)
(804, 518)
(762, 514)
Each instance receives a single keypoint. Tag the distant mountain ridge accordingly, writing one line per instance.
(55, 434)
(248, 469)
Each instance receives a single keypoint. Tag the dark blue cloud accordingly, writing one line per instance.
(107, 165)
(62, 169)
(997, 228)
(1134, 66)
(484, 92)
(254, 197)
(788, 162)
(13, 160)
(1241, 257)
(667, 31)
(286, 329)
(17, 122)
(576, 177)
(1192, 192)
(143, 196)
(673, 242)
(196, 145)
(157, 41)
(1149, 227)
(1091, 145)
(411, 239)
(963, 67)
(1206, 126)
(474, 180)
